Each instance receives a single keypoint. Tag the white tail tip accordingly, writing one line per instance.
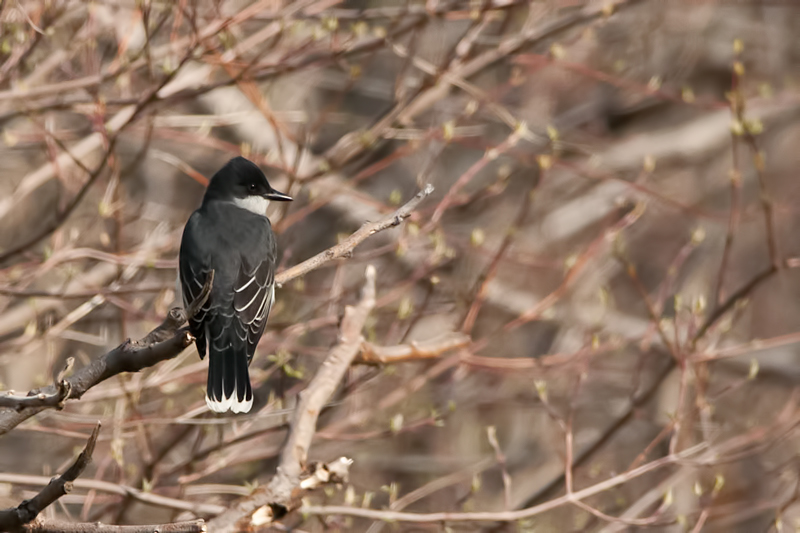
(229, 404)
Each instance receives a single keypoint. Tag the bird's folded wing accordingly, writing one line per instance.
(254, 294)
(192, 281)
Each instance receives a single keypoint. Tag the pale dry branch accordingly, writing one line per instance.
(282, 493)
(434, 486)
(647, 501)
(429, 349)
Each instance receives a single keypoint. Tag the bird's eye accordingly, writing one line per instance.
(252, 187)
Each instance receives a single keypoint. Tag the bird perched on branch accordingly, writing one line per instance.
(230, 235)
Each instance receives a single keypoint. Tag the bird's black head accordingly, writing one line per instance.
(241, 181)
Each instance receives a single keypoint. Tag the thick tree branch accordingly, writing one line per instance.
(42, 399)
(127, 357)
(164, 342)
(284, 491)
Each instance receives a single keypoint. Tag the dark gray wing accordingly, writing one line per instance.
(254, 292)
(193, 270)
(242, 255)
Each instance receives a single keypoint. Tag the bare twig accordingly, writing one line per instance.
(728, 304)
(487, 275)
(56, 399)
(127, 357)
(652, 309)
(490, 155)
(733, 219)
(118, 123)
(434, 486)
(766, 202)
(644, 396)
(83, 294)
(346, 246)
(63, 214)
(27, 511)
(491, 433)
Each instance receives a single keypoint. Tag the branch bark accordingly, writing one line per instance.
(42, 399)
(127, 357)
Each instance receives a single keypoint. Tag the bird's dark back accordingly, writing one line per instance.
(211, 240)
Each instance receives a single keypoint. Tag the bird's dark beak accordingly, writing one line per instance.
(278, 196)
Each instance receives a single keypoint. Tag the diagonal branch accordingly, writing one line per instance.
(127, 357)
(149, 498)
(27, 511)
(164, 342)
(348, 245)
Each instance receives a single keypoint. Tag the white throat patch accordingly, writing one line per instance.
(254, 204)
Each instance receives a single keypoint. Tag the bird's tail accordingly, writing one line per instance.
(228, 380)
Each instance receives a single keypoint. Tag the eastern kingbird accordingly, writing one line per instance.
(231, 235)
